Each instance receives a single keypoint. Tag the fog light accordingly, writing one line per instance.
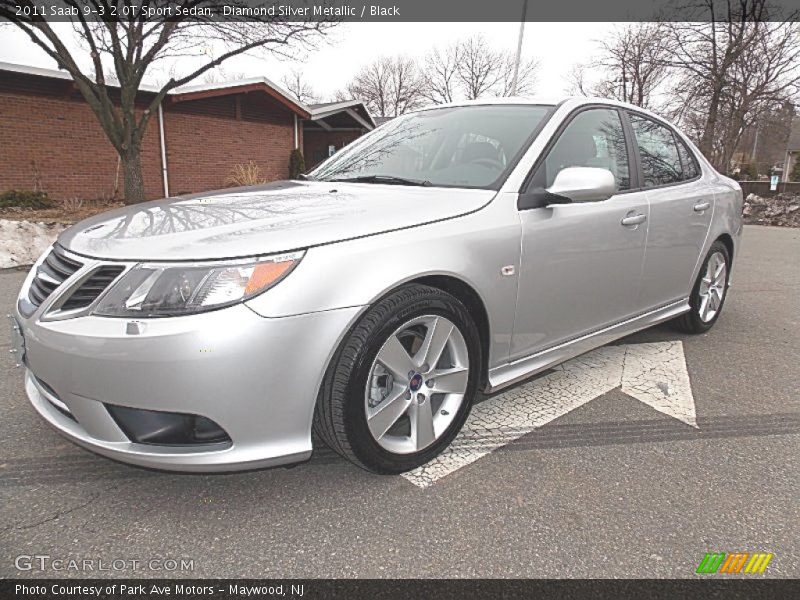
(166, 428)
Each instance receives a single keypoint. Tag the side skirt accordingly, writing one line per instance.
(516, 371)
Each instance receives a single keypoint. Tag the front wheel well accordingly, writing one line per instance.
(472, 300)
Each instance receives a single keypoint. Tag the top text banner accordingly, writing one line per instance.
(399, 10)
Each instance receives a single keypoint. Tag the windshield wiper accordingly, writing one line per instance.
(389, 179)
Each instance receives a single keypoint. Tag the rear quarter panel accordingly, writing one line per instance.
(728, 203)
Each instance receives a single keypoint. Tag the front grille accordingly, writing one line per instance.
(92, 287)
(53, 271)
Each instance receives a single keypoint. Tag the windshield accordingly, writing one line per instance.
(464, 146)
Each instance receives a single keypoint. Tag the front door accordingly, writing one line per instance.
(581, 264)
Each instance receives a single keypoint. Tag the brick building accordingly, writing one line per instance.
(50, 139)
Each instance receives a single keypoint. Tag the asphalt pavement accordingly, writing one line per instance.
(611, 489)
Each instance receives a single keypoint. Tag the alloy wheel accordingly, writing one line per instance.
(712, 287)
(416, 384)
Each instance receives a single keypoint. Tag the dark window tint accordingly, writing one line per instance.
(658, 150)
(688, 161)
(594, 138)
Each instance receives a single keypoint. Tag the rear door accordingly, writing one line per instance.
(681, 207)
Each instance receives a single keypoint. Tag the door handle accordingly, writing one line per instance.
(634, 220)
(701, 206)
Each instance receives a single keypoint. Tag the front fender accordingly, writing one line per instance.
(473, 248)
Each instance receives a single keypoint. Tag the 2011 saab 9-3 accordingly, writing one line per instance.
(452, 250)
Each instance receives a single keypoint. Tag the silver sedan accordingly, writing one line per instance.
(453, 250)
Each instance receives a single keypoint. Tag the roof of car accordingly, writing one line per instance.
(571, 101)
(540, 100)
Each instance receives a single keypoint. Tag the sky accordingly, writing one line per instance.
(557, 46)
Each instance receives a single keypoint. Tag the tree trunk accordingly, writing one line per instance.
(132, 175)
(710, 130)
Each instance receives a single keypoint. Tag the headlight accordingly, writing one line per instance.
(166, 290)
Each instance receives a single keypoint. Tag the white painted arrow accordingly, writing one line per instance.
(653, 373)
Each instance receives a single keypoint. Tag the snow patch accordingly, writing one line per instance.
(22, 242)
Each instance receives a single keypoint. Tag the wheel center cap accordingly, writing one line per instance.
(415, 383)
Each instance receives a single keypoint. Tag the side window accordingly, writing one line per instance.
(594, 138)
(661, 163)
(688, 161)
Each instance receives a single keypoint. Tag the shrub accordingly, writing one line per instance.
(25, 199)
(748, 172)
(247, 174)
(297, 164)
(72, 204)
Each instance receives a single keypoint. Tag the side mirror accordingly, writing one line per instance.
(584, 184)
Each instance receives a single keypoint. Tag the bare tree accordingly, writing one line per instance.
(526, 77)
(635, 62)
(763, 144)
(440, 79)
(390, 86)
(479, 69)
(470, 68)
(483, 71)
(576, 81)
(732, 68)
(632, 64)
(299, 87)
(132, 44)
(218, 75)
(340, 96)
(765, 78)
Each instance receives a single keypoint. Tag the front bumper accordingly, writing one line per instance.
(256, 377)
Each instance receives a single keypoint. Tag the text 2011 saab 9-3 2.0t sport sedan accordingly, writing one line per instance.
(454, 249)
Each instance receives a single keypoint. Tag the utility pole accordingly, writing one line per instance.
(755, 147)
(519, 48)
(786, 158)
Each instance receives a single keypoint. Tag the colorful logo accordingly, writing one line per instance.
(415, 383)
(734, 562)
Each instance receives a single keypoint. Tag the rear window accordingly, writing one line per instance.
(661, 163)
(688, 161)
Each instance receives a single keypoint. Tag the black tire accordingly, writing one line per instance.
(340, 418)
(690, 322)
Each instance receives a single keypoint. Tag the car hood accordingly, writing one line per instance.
(276, 217)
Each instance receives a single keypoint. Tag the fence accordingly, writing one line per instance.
(761, 188)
